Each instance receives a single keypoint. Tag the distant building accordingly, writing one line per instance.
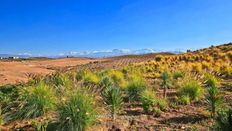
(13, 57)
(1, 58)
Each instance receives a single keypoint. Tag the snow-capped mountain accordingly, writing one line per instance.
(108, 53)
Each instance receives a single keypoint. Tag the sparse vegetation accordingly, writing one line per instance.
(194, 83)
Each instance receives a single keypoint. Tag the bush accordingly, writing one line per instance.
(214, 100)
(77, 113)
(32, 102)
(185, 100)
(162, 104)
(134, 89)
(60, 79)
(192, 89)
(112, 97)
(118, 79)
(224, 120)
(148, 101)
(91, 78)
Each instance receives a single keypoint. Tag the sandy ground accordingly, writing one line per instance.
(14, 71)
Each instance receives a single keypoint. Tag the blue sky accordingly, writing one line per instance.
(55, 26)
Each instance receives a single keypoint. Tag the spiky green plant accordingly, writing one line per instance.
(32, 102)
(78, 112)
(224, 120)
(214, 100)
(112, 97)
(165, 82)
(148, 100)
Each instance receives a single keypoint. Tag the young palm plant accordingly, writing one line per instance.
(165, 82)
(112, 96)
(78, 112)
(214, 100)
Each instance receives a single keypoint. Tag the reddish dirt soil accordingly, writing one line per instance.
(15, 71)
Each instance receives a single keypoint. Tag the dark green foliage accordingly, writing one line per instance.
(112, 97)
(224, 120)
(77, 113)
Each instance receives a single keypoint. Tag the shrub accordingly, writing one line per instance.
(214, 99)
(178, 74)
(61, 79)
(185, 100)
(162, 104)
(77, 113)
(91, 78)
(192, 89)
(224, 120)
(112, 96)
(134, 89)
(118, 79)
(32, 102)
(148, 101)
(157, 112)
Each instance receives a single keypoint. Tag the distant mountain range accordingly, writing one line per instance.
(93, 54)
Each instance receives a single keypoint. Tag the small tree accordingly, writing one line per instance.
(214, 100)
(165, 82)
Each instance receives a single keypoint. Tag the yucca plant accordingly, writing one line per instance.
(165, 82)
(214, 100)
(32, 102)
(78, 112)
(224, 120)
(112, 97)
